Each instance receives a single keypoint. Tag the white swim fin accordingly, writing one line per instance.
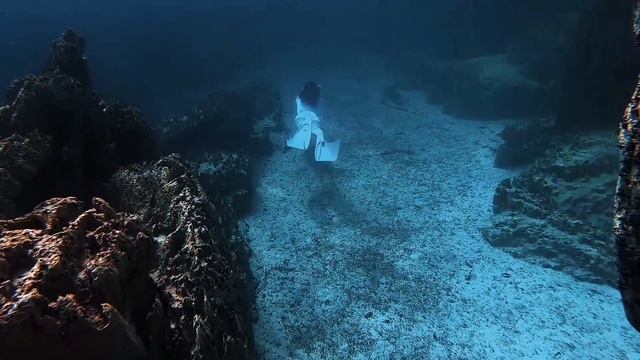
(302, 137)
(327, 151)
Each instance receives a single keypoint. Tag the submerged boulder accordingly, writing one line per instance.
(557, 213)
(485, 87)
(87, 140)
(626, 215)
(233, 121)
(224, 138)
(21, 158)
(170, 282)
(524, 143)
(67, 56)
(167, 279)
(228, 175)
(74, 283)
(204, 306)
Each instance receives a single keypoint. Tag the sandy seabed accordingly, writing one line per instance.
(380, 255)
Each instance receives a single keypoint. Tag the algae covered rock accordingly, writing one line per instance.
(86, 139)
(170, 282)
(485, 87)
(204, 301)
(230, 176)
(67, 56)
(74, 283)
(225, 137)
(166, 279)
(21, 158)
(627, 206)
(524, 143)
(237, 121)
(558, 212)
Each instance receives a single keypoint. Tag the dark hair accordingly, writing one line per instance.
(310, 94)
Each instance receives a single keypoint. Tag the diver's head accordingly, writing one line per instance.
(310, 94)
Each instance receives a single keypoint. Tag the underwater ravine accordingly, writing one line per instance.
(302, 180)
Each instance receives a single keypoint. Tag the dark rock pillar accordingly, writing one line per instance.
(627, 211)
(627, 207)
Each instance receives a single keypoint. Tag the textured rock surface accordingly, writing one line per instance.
(96, 284)
(558, 212)
(228, 175)
(67, 56)
(627, 206)
(572, 52)
(524, 143)
(485, 87)
(233, 121)
(74, 284)
(88, 140)
(224, 137)
(204, 307)
(21, 157)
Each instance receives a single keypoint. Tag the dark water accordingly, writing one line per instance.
(469, 212)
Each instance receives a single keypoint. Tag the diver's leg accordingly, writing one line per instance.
(311, 150)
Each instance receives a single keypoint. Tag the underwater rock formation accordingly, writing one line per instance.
(67, 57)
(223, 138)
(485, 87)
(599, 68)
(232, 121)
(626, 219)
(21, 157)
(569, 53)
(88, 140)
(230, 176)
(524, 143)
(203, 310)
(74, 283)
(557, 213)
(170, 282)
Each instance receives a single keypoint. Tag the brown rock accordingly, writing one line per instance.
(626, 216)
(74, 284)
(204, 305)
(21, 158)
(79, 140)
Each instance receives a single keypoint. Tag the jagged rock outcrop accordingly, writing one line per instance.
(557, 213)
(67, 57)
(524, 143)
(204, 303)
(230, 176)
(88, 140)
(485, 87)
(224, 137)
(21, 157)
(626, 220)
(167, 283)
(170, 282)
(627, 211)
(231, 121)
(74, 283)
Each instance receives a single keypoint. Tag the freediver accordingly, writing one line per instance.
(308, 126)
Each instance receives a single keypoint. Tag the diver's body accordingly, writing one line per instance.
(308, 126)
